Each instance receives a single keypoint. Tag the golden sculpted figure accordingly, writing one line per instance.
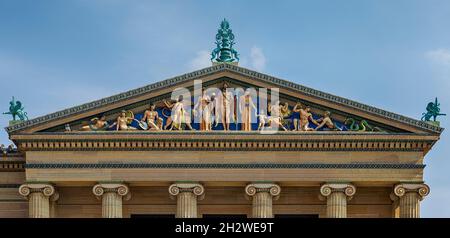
(225, 108)
(203, 108)
(178, 115)
(326, 123)
(305, 117)
(123, 121)
(245, 107)
(96, 124)
(276, 114)
(285, 112)
(152, 118)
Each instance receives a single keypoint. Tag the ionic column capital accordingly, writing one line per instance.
(121, 189)
(39, 196)
(273, 189)
(348, 189)
(47, 190)
(194, 188)
(420, 188)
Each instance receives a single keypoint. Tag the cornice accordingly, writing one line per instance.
(219, 166)
(219, 68)
(224, 142)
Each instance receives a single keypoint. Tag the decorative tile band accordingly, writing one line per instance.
(10, 185)
(219, 166)
(214, 69)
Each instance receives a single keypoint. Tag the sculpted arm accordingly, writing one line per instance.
(320, 125)
(168, 104)
(145, 116)
(310, 117)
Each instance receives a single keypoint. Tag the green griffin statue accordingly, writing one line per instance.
(224, 51)
(16, 109)
(433, 110)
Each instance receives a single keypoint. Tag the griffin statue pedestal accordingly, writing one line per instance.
(434, 123)
(13, 122)
(232, 63)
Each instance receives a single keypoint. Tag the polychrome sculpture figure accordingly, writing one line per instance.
(152, 118)
(123, 121)
(96, 124)
(326, 122)
(246, 106)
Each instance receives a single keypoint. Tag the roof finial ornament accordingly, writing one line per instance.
(433, 110)
(16, 109)
(224, 52)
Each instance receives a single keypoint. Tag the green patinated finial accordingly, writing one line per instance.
(433, 110)
(16, 109)
(224, 51)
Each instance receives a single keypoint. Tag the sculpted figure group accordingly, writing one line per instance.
(211, 111)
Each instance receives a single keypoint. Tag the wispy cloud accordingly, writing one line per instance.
(201, 60)
(439, 62)
(257, 59)
(439, 56)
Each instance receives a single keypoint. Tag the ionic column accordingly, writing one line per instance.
(112, 195)
(337, 195)
(410, 196)
(262, 195)
(38, 196)
(187, 195)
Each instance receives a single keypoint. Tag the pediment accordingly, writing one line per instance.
(138, 100)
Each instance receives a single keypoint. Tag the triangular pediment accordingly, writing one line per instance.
(137, 101)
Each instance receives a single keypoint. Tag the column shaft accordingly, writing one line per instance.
(186, 205)
(38, 205)
(337, 205)
(262, 205)
(409, 205)
(111, 205)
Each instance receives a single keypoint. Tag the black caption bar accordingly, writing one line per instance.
(212, 227)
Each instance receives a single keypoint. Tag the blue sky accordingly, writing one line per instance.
(390, 54)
